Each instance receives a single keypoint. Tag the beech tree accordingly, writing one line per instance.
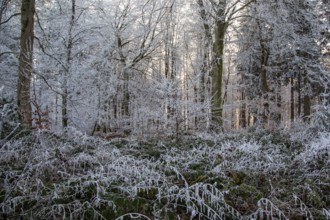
(223, 13)
(133, 43)
(63, 72)
(69, 57)
(25, 62)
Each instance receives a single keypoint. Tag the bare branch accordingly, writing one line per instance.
(8, 52)
(51, 56)
(235, 11)
(8, 19)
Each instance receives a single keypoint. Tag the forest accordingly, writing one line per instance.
(165, 109)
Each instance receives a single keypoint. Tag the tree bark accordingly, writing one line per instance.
(263, 76)
(307, 102)
(69, 58)
(292, 101)
(243, 111)
(218, 50)
(299, 94)
(204, 69)
(25, 62)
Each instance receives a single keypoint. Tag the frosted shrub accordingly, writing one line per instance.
(8, 120)
(73, 176)
(321, 118)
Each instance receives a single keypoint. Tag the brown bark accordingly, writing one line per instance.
(299, 94)
(25, 62)
(69, 58)
(292, 101)
(218, 50)
(278, 115)
(205, 50)
(307, 108)
(243, 112)
(263, 75)
(307, 103)
(127, 97)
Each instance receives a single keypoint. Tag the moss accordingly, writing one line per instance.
(197, 166)
(108, 212)
(244, 198)
(238, 177)
(220, 183)
(248, 193)
(314, 199)
(150, 194)
(77, 150)
(152, 153)
(199, 179)
(195, 176)
(168, 214)
(129, 205)
(168, 173)
(120, 144)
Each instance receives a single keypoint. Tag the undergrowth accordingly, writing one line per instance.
(74, 176)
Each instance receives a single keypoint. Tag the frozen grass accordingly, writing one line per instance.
(73, 176)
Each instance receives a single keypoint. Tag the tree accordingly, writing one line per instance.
(279, 51)
(25, 62)
(205, 48)
(133, 42)
(224, 13)
(68, 38)
(221, 25)
(69, 57)
(9, 49)
(310, 72)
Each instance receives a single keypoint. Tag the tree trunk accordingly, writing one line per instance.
(307, 108)
(167, 61)
(25, 62)
(243, 112)
(307, 102)
(299, 94)
(264, 86)
(126, 100)
(205, 50)
(292, 101)
(218, 50)
(263, 76)
(278, 115)
(69, 58)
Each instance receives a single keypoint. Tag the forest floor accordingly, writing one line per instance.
(248, 175)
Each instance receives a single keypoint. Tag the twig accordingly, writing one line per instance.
(14, 15)
(3, 141)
